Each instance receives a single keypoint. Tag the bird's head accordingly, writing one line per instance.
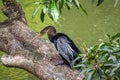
(50, 30)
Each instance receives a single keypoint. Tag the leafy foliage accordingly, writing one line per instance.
(102, 61)
(54, 7)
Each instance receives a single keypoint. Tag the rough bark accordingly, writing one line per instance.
(38, 57)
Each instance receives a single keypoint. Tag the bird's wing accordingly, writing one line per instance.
(64, 47)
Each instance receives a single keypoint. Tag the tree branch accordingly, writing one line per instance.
(38, 57)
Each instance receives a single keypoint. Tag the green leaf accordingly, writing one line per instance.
(75, 60)
(85, 70)
(53, 11)
(113, 58)
(97, 76)
(114, 70)
(106, 47)
(109, 64)
(104, 57)
(94, 48)
(107, 71)
(117, 53)
(83, 9)
(68, 4)
(35, 12)
(79, 65)
(45, 9)
(101, 71)
(37, 3)
(76, 2)
(115, 36)
(107, 35)
(61, 2)
(42, 15)
(99, 2)
(89, 75)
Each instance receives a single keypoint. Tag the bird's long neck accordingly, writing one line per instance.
(51, 37)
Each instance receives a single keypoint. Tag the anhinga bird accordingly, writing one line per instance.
(65, 46)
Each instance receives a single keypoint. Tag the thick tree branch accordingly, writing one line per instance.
(39, 57)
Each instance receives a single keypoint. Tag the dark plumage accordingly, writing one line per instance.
(65, 46)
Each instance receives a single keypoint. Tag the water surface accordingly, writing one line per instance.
(101, 20)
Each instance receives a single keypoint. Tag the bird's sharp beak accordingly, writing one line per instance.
(37, 37)
(42, 32)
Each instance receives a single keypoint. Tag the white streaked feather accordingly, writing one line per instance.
(65, 49)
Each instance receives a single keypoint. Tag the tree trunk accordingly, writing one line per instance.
(38, 57)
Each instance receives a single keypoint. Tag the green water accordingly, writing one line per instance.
(100, 20)
(78, 26)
